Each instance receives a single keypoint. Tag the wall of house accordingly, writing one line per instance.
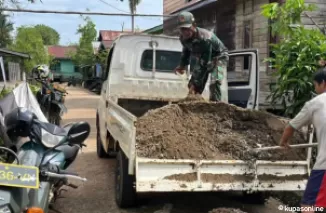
(218, 17)
(171, 5)
(67, 66)
(319, 16)
(252, 32)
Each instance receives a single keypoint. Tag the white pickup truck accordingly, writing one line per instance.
(136, 83)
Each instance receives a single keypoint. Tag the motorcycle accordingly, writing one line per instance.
(51, 101)
(34, 180)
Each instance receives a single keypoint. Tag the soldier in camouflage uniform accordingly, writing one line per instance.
(211, 58)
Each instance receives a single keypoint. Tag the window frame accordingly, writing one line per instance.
(156, 70)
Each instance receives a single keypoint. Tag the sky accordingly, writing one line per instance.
(66, 25)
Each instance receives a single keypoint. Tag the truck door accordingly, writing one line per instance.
(243, 78)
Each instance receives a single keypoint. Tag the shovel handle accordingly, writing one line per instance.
(292, 146)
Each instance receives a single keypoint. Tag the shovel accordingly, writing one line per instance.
(305, 145)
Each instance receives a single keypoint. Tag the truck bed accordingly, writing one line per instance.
(165, 175)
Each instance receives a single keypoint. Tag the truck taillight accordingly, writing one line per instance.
(35, 210)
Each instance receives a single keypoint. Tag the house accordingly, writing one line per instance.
(155, 30)
(11, 72)
(107, 37)
(96, 46)
(239, 24)
(62, 66)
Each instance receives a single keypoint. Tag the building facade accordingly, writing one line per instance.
(239, 24)
(62, 66)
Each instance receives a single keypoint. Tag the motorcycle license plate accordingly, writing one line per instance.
(19, 176)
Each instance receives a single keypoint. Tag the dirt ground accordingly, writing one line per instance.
(97, 194)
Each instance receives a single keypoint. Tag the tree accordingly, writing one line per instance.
(296, 55)
(6, 27)
(49, 35)
(84, 55)
(29, 40)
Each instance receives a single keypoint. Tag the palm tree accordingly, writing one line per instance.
(6, 27)
(133, 6)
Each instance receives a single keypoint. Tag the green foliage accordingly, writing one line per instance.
(84, 57)
(84, 54)
(6, 27)
(35, 88)
(286, 15)
(133, 5)
(296, 55)
(5, 91)
(101, 57)
(29, 40)
(49, 35)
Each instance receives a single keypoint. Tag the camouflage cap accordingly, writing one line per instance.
(185, 19)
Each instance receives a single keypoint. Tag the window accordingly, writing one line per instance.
(166, 61)
(237, 73)
(273, 39)
(247, 40)
(55, 66)
(248, 7)
(108, 63)
(247, 34)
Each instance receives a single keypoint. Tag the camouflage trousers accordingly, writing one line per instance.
(218, 82)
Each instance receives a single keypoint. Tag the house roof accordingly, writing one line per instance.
(109, 35)
(61, 51)
(193, 5)
(5, 52)
(155, 29)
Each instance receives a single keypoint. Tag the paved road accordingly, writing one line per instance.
(97, 195)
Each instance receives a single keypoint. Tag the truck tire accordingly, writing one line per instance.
(125, 194)
(99, 147)
(256, 197)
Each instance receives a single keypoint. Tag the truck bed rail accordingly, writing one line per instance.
(158, 175)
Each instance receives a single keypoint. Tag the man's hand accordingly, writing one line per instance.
(192, 90)
(180, 70)
(285, 145)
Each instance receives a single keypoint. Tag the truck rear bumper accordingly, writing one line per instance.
(155, 175)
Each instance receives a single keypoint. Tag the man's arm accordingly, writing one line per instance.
(303, 118)
(220, 47)
(185, 56)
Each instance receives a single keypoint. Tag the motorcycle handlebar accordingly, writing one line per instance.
(54, 175)
(63, 172)
(42, 82)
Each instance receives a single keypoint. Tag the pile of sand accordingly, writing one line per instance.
(226, 210)
(207, 130)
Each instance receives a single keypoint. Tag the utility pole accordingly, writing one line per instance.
(122, 26)
(132, 16)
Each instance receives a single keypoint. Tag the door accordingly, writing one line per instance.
(243, 78)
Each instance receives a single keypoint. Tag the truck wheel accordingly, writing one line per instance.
(256, 197)
(125, 194)
(99, 147)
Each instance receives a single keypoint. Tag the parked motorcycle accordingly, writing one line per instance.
(51, 101)
(33, 181)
